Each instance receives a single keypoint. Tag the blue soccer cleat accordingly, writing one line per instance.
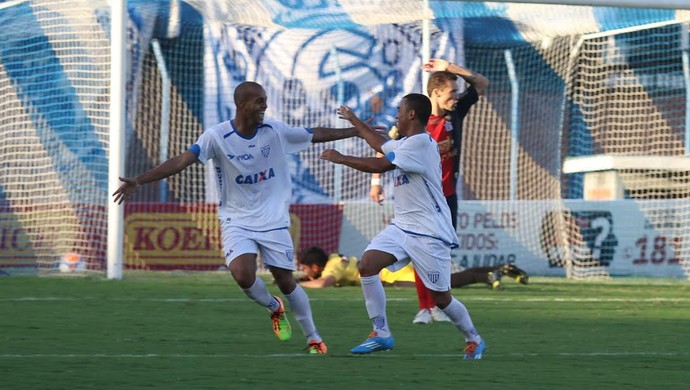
(374, 344)
(474, 351)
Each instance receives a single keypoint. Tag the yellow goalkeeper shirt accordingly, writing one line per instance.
(344, 270)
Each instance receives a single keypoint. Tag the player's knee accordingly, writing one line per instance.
(284, 280)
(366, 268)
(243, 279)
(243, 270)
(441, 299)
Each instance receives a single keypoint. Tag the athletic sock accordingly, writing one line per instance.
(375, 299)
(461, 319)
(299, 303)
(260, 294)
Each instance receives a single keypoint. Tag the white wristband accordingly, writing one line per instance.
(375, 181)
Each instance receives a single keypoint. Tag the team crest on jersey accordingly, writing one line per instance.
(434, 276)
(290, 255)
(400, 180)
(266, 150)
(448, 125)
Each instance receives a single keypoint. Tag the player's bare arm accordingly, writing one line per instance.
(170, 167)
(369, 134)
(325, 134)
(478, 81)
(364, 164)
(328, 281)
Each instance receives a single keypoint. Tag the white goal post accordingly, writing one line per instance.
(118, 107)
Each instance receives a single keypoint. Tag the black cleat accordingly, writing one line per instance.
(513, 271)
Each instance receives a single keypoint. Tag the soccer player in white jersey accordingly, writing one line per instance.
(249, 156)
(421, 230)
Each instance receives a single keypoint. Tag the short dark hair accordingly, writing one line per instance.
(421, 106)
(243, 90)
(314, 256)
(438, 80)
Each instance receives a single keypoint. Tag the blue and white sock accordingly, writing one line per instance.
(375, 299)
(260, 294)
(299, 303)
(461, 319)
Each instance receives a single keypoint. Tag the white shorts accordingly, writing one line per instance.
(430, 256)
(275, 246)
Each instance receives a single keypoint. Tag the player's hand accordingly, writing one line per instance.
(375, 128)
(344, 112)
(376, 194)
(126, 189)
(380, 130)
(444, 146)
(436, 65)
(331, 155)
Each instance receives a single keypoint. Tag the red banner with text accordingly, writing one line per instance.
(171, 236)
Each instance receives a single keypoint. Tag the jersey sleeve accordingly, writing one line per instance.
(204, 147)
(295, 139)
(408, 154)
(467, 100)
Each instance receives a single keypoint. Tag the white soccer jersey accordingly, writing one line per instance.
(420, 207)
(252, 173)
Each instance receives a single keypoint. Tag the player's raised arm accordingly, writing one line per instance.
(170, 167)
(374, 139)
(478, 81)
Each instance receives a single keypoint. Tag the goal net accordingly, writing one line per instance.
(566, 82)
(54, 89)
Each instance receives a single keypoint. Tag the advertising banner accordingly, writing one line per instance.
(640, 238)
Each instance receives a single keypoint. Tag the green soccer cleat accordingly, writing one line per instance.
(281, 325)
(316, 348)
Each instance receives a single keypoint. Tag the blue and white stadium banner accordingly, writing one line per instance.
(307, 74)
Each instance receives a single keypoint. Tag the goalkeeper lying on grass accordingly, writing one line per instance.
(321, 270)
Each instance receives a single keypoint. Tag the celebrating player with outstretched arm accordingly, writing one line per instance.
(249, 154)
(449, 108)
(421, 230)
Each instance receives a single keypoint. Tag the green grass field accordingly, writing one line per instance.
(198, 331)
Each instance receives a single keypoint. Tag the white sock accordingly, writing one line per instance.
(461, 319)
(260, 294)
(299, 303)
(375, 299)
